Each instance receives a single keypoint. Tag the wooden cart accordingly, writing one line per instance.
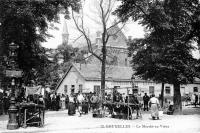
(31, 114)
(130, 107)
(122, 115)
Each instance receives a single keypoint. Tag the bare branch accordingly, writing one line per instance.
(118, 30)
(108, 8)
(116, 23)
(77, 38)
(82, 30)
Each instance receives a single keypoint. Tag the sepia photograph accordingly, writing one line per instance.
(99, 66)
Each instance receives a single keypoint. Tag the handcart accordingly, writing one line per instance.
(31, 114)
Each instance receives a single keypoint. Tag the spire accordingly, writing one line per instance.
(65, 33)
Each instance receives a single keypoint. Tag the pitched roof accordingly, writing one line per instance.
(93, 72)
(118, 39)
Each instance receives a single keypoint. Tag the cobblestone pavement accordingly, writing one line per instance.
(60, 122)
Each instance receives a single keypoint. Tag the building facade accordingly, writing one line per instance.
(86, 78)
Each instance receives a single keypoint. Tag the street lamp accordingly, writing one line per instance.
(13, 73)
(133, 83)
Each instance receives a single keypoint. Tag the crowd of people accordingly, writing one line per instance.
(84, 103)
(81, 102)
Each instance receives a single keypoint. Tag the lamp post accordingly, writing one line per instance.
(13, 73)
(133, 83)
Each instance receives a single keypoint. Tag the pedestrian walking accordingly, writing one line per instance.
(196, 100)
(57, 102)
(146, 101)
(94, 101)
(71, 105)
(85, 105)
(54, 103)
(154, 105)
(63, 102)
(89, 102)
(80, 100)
(66, 101)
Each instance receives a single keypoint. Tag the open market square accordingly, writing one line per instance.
(60, 122)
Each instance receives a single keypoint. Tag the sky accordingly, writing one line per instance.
(131, 28)
(89, 11)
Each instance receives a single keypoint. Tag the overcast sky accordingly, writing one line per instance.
(130, 29)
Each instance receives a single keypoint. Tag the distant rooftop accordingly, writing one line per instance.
(93, 72)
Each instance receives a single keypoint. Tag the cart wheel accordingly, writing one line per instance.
(41, 124)
(24, 126)
(130, 114)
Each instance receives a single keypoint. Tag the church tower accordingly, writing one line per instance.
(65, 33)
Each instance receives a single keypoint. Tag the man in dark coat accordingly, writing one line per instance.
(146, 100)
(57, 102)
(196, 100)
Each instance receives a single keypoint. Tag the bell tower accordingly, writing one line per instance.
(65, 33)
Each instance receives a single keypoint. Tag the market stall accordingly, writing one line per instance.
(123, 107)
(31, 114)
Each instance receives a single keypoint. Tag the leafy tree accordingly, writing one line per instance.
(164, 55)
(25, 23)
(66, 51)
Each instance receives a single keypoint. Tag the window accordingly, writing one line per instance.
(65, 89)
(135, 91)
(115, 61)
(167, 90)
(151, 89)
(135, 86)
(72, 88)
(81, 88)
(195, 89)
(97, 89)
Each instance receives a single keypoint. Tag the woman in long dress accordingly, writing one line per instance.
(154, 105)
(71, 105)
(63, 102)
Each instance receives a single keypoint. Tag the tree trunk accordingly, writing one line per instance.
(103, 68)
(162, 94)
(177, 99)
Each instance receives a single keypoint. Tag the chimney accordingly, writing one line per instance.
(98, 37)
(129, 38)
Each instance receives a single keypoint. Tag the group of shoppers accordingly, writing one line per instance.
(75, 101)
(83, 103)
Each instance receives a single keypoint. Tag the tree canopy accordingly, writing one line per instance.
(165, 54)
(25, 23)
